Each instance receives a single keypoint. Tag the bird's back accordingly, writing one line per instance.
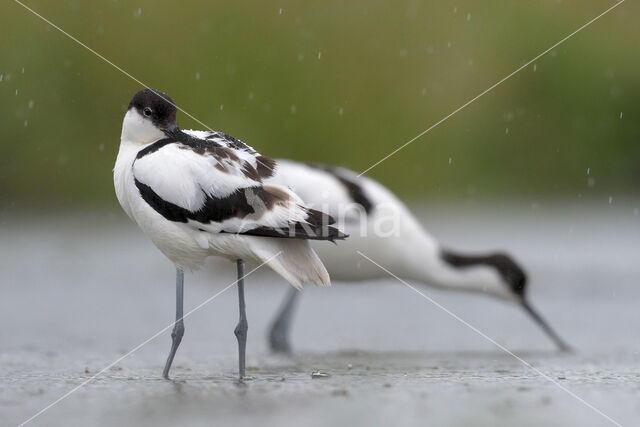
(379, 225)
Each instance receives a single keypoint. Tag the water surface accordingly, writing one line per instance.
(79, 291)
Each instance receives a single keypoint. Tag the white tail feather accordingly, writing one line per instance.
(297, 262)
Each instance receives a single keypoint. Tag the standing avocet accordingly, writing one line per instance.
(196, 197)
(383, 228)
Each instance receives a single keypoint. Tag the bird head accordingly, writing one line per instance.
(511, 285)
(151, 116)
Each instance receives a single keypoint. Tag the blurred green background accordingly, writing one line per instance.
(343, 83)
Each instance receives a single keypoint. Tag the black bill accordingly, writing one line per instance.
(562, 345)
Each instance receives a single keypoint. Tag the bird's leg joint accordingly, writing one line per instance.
(241, 328)
(178, 330)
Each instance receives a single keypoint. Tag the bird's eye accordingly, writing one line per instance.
(147, 112)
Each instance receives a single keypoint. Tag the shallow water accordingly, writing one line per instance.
(81, 291)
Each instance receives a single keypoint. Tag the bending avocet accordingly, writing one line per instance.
(196, 197)
(409, 251)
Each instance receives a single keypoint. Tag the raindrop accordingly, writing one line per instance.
(280, 11)
(610, 199)
(424, 91)
(455, 10)
(535, 67)
(468, 17)
(620, 114)
(22, 71)
(137, 13)
(101, 147)
(26, 123)
(340, 111)
(250, 95)
(588, 171)
(506, 131)
(16, 92)
(197, 76)
(450, 160)
(221, 107)
(448, 44)
(1, 77)
(319, 55)
(30, 104)
(293, 109)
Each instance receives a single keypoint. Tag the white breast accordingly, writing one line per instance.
(175, 240)
(122, 174)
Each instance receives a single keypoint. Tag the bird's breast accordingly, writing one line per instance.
(123, 175)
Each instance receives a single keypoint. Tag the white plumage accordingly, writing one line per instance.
(382, 227)
(389, 233)
(181, 176)
(198, 194)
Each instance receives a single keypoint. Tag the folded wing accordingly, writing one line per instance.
(218, 188)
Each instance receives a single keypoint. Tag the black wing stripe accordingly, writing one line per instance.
(200, 146)
(299, 231)
(154, 147)
(353, 187)
(236, 205)
(214, 209)
(319, 218)
(265, 166)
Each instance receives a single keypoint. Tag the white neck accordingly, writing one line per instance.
(480, 278)
(138, 129)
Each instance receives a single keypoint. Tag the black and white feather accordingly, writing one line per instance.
(214, 184)
(203, 193)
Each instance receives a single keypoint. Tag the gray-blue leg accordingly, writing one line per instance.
(242, 327)
(178, 327)
(279, 333)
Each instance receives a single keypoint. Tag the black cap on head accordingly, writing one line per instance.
(155, 105)
(511, 272)
(516, 279)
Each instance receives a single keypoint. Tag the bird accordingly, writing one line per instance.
(201, 194)
(383, 228)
